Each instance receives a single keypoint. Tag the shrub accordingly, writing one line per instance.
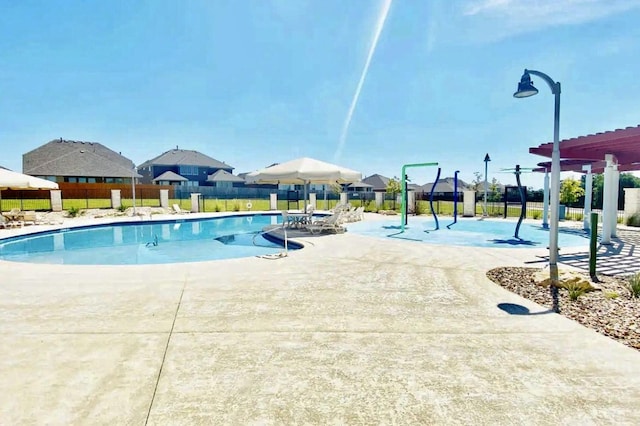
(634, 220)
(575, 291)
(216, 208)
(236, 206)
(122, 208)
(611, 295)
(536, 214)
(578, 217)
(634, 285)
(421, 208)
(73, 211)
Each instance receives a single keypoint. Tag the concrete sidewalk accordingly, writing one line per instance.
(349, 330)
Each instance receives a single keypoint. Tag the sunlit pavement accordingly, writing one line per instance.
(350, 329)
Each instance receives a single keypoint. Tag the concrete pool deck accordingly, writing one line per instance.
(349, 330)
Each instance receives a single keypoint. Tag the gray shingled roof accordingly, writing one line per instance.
(378, 182)
(74, 158)
(171, 177)
(223, 176)
(360, 185)
(185, 157)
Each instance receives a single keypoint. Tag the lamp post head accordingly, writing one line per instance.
(487, 158)
(525, 87)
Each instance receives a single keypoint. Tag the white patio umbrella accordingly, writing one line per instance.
(14, 180)
(304, 171)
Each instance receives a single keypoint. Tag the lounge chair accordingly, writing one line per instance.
(329, 224)
(6, 222)
(354, 215)
(30, 216)
(177, 209)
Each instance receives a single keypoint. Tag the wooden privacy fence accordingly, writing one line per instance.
(103, 190)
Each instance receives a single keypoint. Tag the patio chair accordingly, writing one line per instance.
(30, 216)
(354, 215)
(330, 224)
(6, 222)
(177, 209)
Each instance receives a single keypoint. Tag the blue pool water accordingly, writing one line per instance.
(189, 240)
(470, 232)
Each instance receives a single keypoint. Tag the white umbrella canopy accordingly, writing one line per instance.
(303, 171)
(15, 180)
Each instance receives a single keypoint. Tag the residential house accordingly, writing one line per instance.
(378, 182)
(187, 167)
(78, 162)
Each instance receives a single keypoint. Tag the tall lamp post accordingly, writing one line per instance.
(526, 89)
(486, 184)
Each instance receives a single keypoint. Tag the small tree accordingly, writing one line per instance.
(478, 181)
(570, 191)
(494, 190)
(394, 188)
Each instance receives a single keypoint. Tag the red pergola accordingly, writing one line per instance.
(624, 144)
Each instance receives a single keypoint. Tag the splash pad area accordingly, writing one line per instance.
(470, 232)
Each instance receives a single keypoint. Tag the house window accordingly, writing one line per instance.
(192, 183)
(189, 170)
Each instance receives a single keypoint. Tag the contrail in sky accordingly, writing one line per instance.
(374, 42)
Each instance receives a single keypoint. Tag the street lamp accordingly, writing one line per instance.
(486, 184)
(526, 89)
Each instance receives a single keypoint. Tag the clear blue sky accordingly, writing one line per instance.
(252, 82)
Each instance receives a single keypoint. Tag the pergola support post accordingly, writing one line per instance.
(607, 200)
(615, 183)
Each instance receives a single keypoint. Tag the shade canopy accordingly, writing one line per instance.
(623, 143)
(302, 171)
(14, 180)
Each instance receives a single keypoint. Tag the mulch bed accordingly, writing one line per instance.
(611, 311)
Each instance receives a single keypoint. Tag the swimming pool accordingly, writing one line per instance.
(135, 243)
(470, 232)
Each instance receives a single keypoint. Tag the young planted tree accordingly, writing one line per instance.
(570, 191)
(394, 188)
(478, 181)
(494, 190)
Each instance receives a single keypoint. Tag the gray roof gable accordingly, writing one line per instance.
(171, 176)
(185, 157)
(377, 181)
(76, 158)
(223, 176)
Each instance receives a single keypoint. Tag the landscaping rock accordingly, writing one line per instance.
(567, 279)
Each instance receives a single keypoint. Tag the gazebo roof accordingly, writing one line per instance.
(624, 144)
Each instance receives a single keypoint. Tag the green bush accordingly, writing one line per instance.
(421, 208)
(634, 220)
(634, 285)
(536, 214)
(122, 208)
(73, 211)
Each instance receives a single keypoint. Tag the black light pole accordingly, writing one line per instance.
(486, 184)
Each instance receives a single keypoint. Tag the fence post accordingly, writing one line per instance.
(56, 200)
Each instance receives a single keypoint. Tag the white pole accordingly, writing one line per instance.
(545, 201)
(555, 189)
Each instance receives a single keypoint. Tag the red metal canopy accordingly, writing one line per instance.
(624, 144)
